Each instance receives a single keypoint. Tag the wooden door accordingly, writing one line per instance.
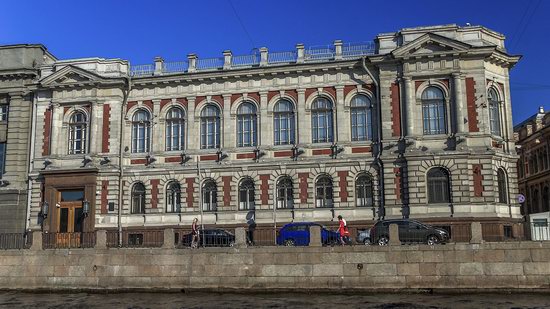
(69, 219)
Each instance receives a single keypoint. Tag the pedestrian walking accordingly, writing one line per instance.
(343, 230)
(195, 233)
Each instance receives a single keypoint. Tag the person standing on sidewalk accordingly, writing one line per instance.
(195, 233)
(343, 230)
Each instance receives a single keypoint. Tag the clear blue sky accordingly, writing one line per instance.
(140, 30)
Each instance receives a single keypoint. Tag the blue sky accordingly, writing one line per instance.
(140, 30)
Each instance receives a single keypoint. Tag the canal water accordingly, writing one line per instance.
(285, 300)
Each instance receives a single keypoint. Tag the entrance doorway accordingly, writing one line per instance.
(70, 218)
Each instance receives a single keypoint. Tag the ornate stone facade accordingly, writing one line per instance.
(403, 130)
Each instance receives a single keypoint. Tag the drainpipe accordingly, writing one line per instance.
(126, 93)
(31, 160)
(379, 136)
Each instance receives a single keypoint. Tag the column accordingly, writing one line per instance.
(342, 124)
(410, 104)
(265, 124)
(96, 129)
(193, 126)
(303, 121)
(459, 102)
(157, 142)
(228, 124)
(57, 122)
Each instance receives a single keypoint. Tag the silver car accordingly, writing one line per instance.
(363, 237)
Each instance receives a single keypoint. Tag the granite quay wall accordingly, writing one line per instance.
(506, 265)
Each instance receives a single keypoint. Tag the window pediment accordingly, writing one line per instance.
(428, 44)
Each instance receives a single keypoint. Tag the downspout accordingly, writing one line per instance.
(382, 210)
(126, 93)
(31, 160)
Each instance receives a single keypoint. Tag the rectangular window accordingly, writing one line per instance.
(3, 113)
(2, 159)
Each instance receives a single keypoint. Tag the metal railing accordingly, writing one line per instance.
(175, 67)
(15, 241)
(357, 50)
(245, 61)
(282, 57)
(136, 239)
(311, 54)
(68, 240)
(142, 70)
(210, 64)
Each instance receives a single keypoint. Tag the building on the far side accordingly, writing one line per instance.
(533, 145)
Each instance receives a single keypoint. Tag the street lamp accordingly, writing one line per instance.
(45, 209)
(85, 208)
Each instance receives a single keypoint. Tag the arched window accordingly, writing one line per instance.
(173, 197)
(141, 131)
(502, 187)
(247, 125)
(138, 199)
(545, 199)
(433, 111)
(494, 112)
(284, 123)
(364, 190)
(78, 125)
(246, 194)
(361, 118)
(324, 193)
(210, 127)
(321, 121)
(209, 195)
(535, 201)
(175, 129)
(285, 198)
(438, 186)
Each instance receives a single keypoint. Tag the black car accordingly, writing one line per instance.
(211, 238)
(410, 231)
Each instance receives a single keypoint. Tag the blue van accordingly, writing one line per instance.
(297, 234)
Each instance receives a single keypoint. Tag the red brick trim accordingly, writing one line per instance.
(182, 101)
(138, 161)
(105, 130)
(226, 190)
(343, 185)
(189, 190)
(471, 104)
(264, 187)
(149, 103)
(213, 157)
(285, 153)
(478, 180)
(397, 182)
(154, 192)
(309, 92)
(293, 94)
(417, 84)
(164, 102)
(47, 132)
(104, 201)
(271, 94)
(172, 159)
(360, 149)
(318, 152)
(130, 105)
(395, 110)
(248, 155)
(303, 186)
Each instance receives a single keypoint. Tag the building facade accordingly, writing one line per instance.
(533, 140)
(415, 124)
(18, 73)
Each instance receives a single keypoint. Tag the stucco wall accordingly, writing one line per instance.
(520, 265)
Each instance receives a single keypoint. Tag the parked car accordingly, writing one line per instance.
(297, 234)
(410, 231)
(211, 238)
(363, 237)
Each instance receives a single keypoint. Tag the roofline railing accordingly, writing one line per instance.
(336, 51)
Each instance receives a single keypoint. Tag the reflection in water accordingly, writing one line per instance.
(283, 300)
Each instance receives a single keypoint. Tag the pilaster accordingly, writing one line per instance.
(342, 124)
(303, 121)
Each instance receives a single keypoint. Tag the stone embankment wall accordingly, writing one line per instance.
(518, 265)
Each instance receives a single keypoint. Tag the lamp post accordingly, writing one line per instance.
(85, 208)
